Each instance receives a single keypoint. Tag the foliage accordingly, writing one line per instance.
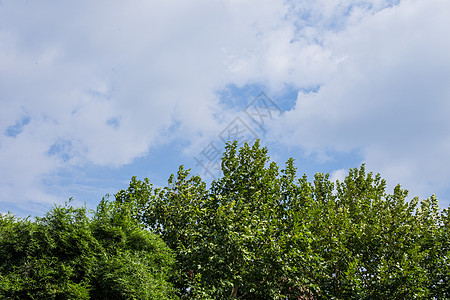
(262, 233)
(67, 255)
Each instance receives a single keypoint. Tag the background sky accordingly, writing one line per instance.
(95, 92)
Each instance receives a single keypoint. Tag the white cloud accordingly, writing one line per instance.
(388, 97)
(103, 82)
(338, 175)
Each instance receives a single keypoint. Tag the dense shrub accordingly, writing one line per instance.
(67, 255)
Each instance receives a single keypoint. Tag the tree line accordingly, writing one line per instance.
(257, 232)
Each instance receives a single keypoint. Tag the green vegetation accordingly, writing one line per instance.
(66, 255)
(257, 233)
(261, 233)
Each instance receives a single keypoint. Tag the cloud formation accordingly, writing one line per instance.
(389, 96)
(103, 83)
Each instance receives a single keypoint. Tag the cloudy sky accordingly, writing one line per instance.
(94, 92)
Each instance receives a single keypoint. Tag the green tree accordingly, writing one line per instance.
(67, 255)
(237, 239)
(48, 258)
(261, 233)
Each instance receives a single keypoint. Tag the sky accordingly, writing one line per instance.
(95, 92)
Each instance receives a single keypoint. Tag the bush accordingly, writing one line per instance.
(67, 255)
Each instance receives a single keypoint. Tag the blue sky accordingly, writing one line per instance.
(95, 92)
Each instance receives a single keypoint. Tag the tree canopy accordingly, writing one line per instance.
(263, 233)
(258, 232)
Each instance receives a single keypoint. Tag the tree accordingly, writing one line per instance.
(67, 255)
(261, 233)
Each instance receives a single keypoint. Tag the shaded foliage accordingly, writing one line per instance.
(67, 255)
